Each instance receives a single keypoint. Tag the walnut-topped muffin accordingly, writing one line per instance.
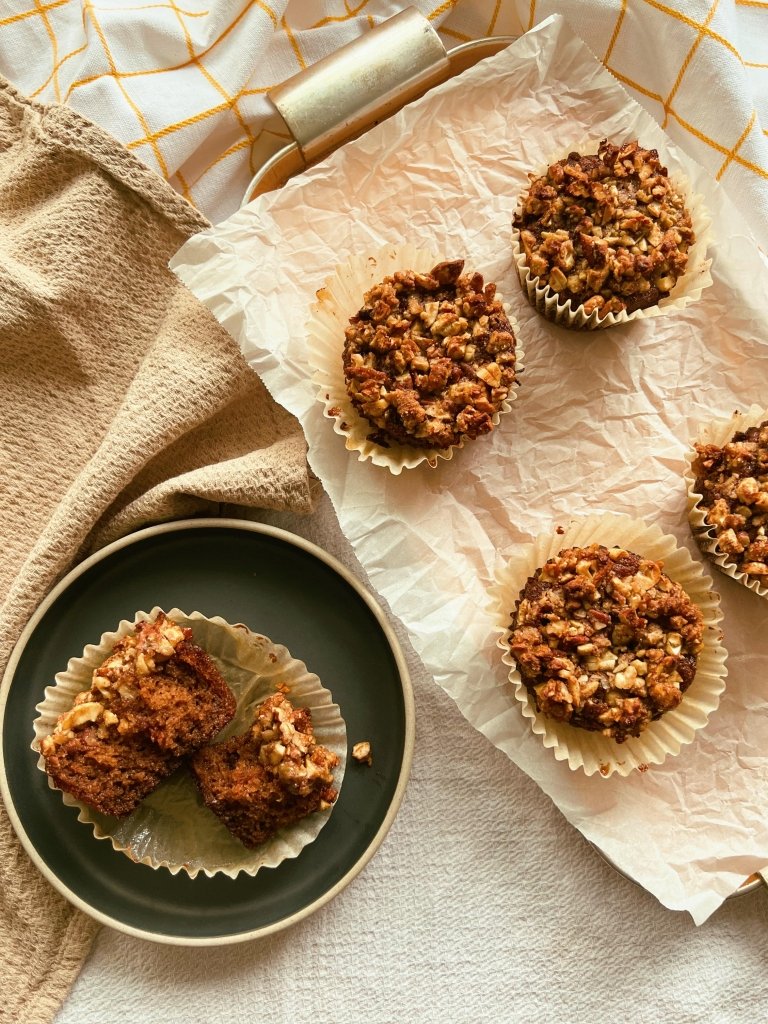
(733, 482)
(269, 777)
(429, 358)
(154, 700)
(605, 640)
(607, 231)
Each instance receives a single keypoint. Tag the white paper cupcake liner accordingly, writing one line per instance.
(172, 828)
(590, 751)
(688, 287)
(340, 298)
(720, 432)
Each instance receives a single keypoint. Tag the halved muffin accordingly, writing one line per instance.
(152, 702)
(269, 777)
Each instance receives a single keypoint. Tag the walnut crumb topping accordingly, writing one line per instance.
(362, 752)
(607, 231)
(605, 640)
(733, 482)
(430, 358)
(113, 682)
(287, 746)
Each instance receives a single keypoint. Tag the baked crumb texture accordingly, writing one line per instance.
(733, 482)
(155, 700)
(604, 640)
(270, 777)
(607, 231)
(429, 358)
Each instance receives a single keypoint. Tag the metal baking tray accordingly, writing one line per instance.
(345, 94)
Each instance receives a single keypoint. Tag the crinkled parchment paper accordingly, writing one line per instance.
(601, 423)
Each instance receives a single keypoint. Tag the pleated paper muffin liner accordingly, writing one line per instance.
(340, 298)
(687, 289)
(172, 828)
(720, 432)
(592, 752)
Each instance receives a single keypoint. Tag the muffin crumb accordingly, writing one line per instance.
(362, 752)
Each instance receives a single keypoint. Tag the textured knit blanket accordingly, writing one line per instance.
(123, 402)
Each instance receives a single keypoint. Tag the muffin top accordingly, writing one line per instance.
(733, 482)
(429, 358)
(607, 231)
(605, 640)
(155, 683)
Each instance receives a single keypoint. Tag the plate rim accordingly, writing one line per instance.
(409, 735)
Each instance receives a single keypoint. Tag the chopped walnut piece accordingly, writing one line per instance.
(430, 358)
(733, 482)
(362, 752)
(606, 231)
(604, 640)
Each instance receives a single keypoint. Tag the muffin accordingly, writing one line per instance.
(730, 495)
(666, 718)
(268, 778)
(429, 358)
(605, 234)
(604, 640)
(171, 828)
(394, 361)
(153, 701)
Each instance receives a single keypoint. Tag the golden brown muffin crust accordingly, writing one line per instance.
(429, 358)
(604, 640)
(608, 230)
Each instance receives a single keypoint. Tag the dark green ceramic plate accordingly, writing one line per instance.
(278, 585)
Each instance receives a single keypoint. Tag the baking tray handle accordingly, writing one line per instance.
(363, 82)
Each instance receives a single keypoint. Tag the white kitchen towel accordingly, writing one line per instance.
(183, 83)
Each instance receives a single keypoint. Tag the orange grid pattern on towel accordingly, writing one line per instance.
(700, 67)
(184, 83)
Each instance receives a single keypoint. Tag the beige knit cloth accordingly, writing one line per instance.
(123, 402)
